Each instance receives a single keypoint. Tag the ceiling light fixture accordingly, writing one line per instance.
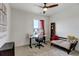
(45, 9)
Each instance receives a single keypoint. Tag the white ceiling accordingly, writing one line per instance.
(34, 7)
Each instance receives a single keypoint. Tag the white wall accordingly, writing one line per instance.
(67, 22)
(4, 37)
(22, 23)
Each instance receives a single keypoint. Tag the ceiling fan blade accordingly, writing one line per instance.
(43, 6)
(52, 6)
(40, 6)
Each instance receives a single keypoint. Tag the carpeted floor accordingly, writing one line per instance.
(43, 51)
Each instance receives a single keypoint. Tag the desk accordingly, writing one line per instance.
(7, 49)
(30, 41)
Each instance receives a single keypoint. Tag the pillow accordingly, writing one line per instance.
(55, 37)
(72, 39)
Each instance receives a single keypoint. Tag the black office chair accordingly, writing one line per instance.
(39, 40)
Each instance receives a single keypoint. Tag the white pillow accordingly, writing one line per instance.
(72, 39)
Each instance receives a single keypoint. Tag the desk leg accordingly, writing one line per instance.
(44, 40)
(30, 45)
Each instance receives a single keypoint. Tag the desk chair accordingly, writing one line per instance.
(39, 40)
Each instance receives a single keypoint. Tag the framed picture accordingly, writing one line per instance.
(0, 28)
(0, 17)
(4, 28)
(0, 13)
(3, 18)
(0, 6)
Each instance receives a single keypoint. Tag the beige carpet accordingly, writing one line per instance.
(43, 51)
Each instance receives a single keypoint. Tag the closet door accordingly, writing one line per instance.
(53, 29)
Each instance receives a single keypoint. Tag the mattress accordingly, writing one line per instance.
(62, 43)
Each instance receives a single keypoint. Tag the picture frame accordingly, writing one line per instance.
(0, 28)
(0, 6)
(3, 18)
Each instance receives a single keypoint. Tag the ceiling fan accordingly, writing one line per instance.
(45, 7)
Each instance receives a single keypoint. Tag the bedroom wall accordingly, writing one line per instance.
(4, 37)
(22, 24)
(67, 22)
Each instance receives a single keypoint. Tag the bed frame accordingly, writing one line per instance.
(72, 46)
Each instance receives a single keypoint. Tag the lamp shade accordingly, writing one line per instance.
(44, 9)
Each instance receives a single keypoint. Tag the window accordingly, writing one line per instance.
(38, 27)
(36, 24)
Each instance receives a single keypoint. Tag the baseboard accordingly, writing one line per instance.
(28, 44)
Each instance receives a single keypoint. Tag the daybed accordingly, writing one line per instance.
(64, 44)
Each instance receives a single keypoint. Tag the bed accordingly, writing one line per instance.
(64, 44)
